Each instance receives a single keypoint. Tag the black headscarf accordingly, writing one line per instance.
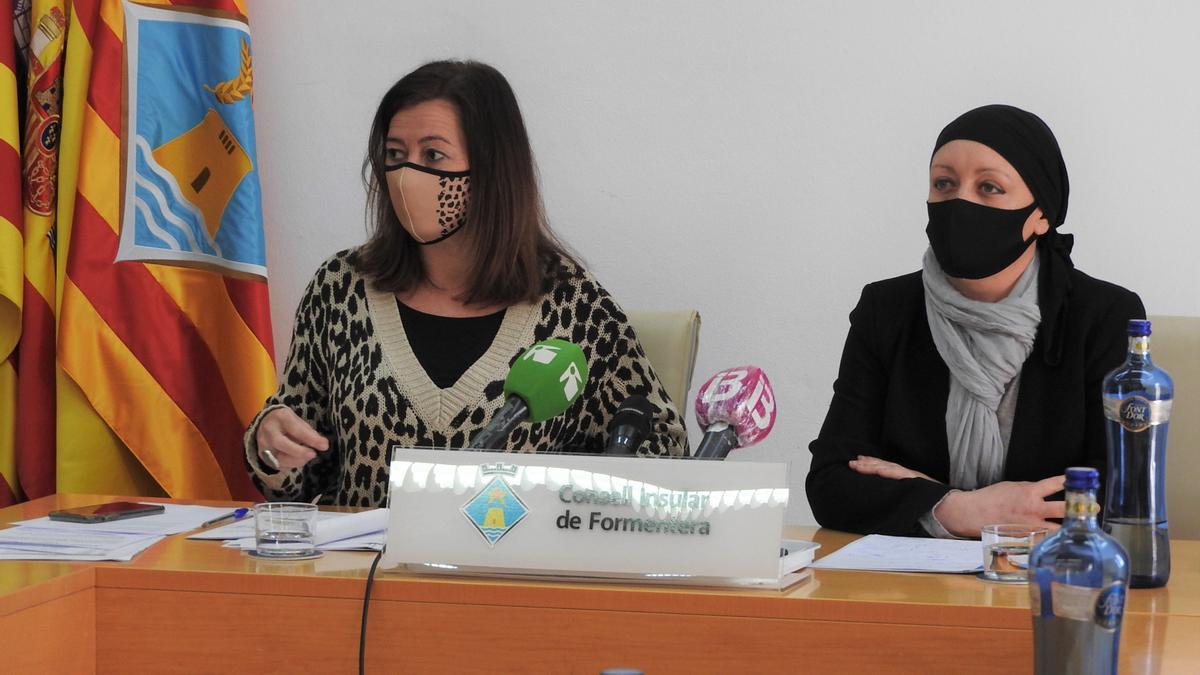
(1027, 143)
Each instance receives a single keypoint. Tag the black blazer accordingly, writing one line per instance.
(889, 401)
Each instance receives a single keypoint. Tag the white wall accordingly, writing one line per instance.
(758, 161)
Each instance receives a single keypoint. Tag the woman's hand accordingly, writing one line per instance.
(873, 466)
(964, 513)
(282, 434)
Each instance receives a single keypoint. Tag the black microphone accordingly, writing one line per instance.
(629, 426)
(719, 439)
(514, 411)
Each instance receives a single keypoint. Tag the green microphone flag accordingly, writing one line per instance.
(548, 376)
(543, 382)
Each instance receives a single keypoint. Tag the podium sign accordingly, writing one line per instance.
(630, 518)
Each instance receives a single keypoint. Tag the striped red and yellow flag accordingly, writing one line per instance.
(174, 360)
(129, 376)
(11, 255)
(35, 437)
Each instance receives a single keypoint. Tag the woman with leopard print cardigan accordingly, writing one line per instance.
(406, 340)
(352, 375)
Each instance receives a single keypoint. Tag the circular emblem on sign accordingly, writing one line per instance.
(1135, 413)
(1110, 605)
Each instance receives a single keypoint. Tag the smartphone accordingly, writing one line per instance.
(103, 513)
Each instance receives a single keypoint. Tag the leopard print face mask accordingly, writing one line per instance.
(431, 204)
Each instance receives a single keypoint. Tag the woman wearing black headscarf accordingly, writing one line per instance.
(966, 389)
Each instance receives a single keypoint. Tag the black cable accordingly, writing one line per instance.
(362, 636)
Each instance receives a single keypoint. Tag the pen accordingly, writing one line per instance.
(236, 514)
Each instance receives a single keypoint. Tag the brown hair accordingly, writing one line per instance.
(515, 252)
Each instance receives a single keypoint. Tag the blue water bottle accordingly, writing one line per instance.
(1077, 582)
(1137, 408)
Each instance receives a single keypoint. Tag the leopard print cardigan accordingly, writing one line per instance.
(352, 375)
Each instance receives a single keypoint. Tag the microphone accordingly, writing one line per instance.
(543, 382)
(629, 426)
(736, 408)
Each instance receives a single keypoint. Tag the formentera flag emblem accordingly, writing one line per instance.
(190, 193)
(495, 510)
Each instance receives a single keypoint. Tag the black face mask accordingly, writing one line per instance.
(973, 241)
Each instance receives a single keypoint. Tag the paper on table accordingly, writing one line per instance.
(885, 553)
(796, 554)
(6, 554)
(174, 519)
(350, 525)
(349, 531)
(366, 542)
(36, 543)
(118, 555)
(244, 527)
(330, 527)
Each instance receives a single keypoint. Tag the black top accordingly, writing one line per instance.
(446, 346)
(889, 401)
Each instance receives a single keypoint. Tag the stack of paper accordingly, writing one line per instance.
(362, 531)
(795, 555)
(906, 554)
(45, 539)
(35, 543)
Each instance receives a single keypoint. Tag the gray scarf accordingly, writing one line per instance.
(984, 344)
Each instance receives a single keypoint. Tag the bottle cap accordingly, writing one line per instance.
(1082, 478)
(1138, 327)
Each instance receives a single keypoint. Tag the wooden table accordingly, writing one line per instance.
(193, 606)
